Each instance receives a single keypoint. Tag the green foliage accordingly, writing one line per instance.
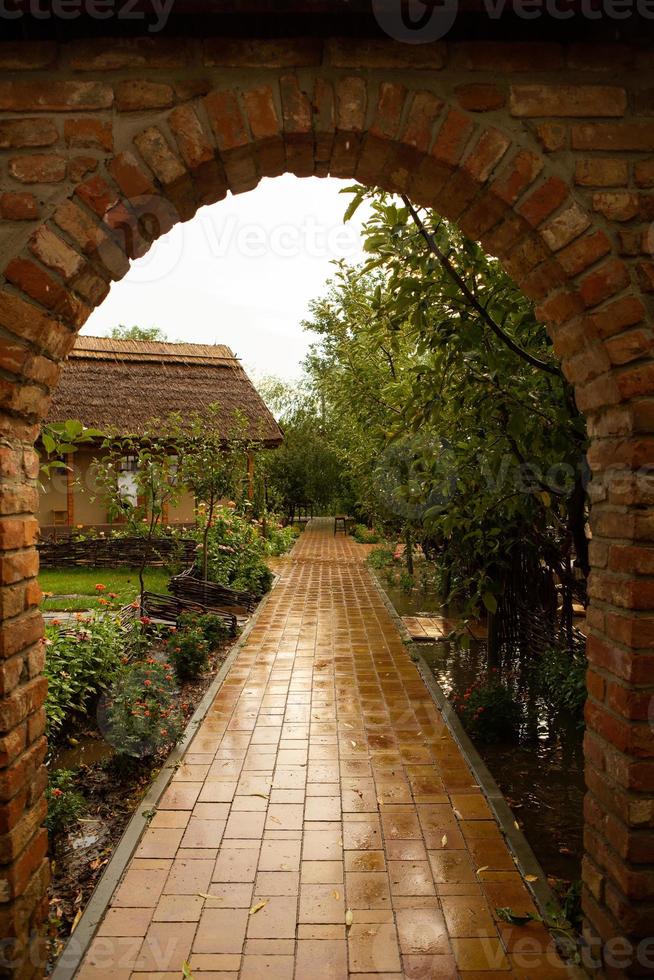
(365, 535)
(236, 553)
(213, 628)
(380, 558)
(60, 439)
(121, 332)
(308, 465)
(488, 709)
(65, 804)
(441, 422)
(141, 715)
(562, 678)
(279, 538)
(188, 651)
(79, 664)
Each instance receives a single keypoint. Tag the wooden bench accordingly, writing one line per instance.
(344, 522)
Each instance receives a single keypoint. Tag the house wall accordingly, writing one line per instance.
(88, 506)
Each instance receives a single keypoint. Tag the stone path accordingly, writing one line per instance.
(322, 780)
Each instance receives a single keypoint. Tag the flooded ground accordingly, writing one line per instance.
(541, 772)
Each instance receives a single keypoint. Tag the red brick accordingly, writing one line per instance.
(486, 154)
(630, 346)
(156, 152)
(584, 252)
(97, 195)
(644, 173)
(27, 55)
(27, 132)
(616, 205)
(56, 96)
(637, 136)
(358, 53)
(480, 97)
(601, 172)
(40, 168)
(523, 169)
(501, 56)
(223, 52)
(23, 701)
(423, 113)
(261, 113)
(95, 54)
(130, 177)
(386, 122)
(25, 320)
(552, 136)
(191, 139)
(351, 103)
(452, 137)
(567, 100)
(543, 201)
(80, 166)
(604, 282)
(133, 94)
(85, 133)
(55, 253)
(18, 206)
(226, 120)
(613, 318)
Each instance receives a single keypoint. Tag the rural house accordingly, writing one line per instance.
(121, 385)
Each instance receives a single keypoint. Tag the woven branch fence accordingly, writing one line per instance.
(116, 552)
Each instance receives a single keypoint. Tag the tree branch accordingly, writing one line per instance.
(471, 298)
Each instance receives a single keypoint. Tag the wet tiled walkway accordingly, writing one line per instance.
(324, 824)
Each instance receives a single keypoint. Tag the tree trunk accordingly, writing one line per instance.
(408, 538)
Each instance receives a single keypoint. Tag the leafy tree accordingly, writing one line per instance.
(453, 420)
(121, 332)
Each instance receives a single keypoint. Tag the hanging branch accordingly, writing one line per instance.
(472, 300)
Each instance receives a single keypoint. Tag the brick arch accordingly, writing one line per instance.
(118, 181)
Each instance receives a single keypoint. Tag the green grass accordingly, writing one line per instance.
(82, 582)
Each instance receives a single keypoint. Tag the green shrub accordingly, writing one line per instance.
(562, 678)
(237, 553)
(380, 558)
(279, 538)
(189, 653)
(365, 535)
(488, 709)
(140, 713)
(79, 664)
(65, 804)
(213, 628)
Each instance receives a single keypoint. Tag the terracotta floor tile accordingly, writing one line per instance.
(367, 890)
(323, 808)
(168, 819)
(321, 960)
(221, 931)
(284, 816)
(480, 954)
(322, 845)
(410, 878)
(125, 922)
(256, 967)
(180, 796)
(203, 833)
(321, 903)
(362, 835)
(109, 956)
(365, 861)
(373, 948)
(178, 908)
(276, 920)
(164, 948)
(278, 882)
(217, 792)
(245, 825)
(229, 895)
(439, 967)
(400, 823)
(159, 843)
(322, 872)
(280, 856)
(236, 865)
(214, 963)
(141, 887)
(467, 916)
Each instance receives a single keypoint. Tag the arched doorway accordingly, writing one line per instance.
(529, 149)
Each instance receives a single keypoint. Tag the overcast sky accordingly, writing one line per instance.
(242, 273)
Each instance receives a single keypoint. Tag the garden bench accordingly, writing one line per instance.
(344, 522)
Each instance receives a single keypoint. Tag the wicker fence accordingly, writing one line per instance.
(116, 552)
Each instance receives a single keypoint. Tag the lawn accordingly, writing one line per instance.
(82, 582)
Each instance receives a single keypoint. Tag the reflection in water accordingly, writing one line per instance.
(541, 772)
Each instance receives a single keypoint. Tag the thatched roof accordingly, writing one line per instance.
(124, 384)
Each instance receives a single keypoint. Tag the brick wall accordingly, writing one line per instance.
(544, 154)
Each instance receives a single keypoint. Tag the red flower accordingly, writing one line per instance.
(57, 792)
(146, 620)
(147, 683)
(100, 588)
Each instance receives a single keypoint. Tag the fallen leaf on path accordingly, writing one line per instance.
(444, 840)
(78, 916)
(531, 877)
(349, 917)
(257, 908)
